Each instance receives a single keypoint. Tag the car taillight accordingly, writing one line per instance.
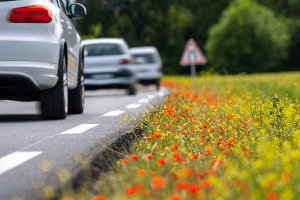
(30, 14)
(125, 62)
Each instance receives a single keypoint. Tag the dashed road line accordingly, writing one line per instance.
(151, 96)
(80, 129)
(133, 105)
(114, 113)
(15, 159)
(144, 100)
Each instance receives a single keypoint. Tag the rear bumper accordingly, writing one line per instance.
(122, 82)
(36, 75)
(148, 76)
(149, 81)
(104, 78)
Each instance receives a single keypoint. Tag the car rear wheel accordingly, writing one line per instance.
(157, 84)
(131, 90)
(76, 96)
(54, 101)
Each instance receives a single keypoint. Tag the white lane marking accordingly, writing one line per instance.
(15, 159)
(114, 113)
(133, 105)
(144, 100)
(79, 129)
(47, 138)
(150, 96)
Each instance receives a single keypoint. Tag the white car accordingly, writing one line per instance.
(41, 56)
(147, 65)
(106, 65)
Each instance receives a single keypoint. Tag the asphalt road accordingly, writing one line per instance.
(35, 152)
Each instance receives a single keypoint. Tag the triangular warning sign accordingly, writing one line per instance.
(192, 55)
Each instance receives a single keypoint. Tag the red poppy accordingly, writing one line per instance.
(99, 197)
(272, 196)
(161, 161)
(193, 189)
(231, 143)
(236, 183)
(158, 183)
(226, 152)
(174, 176)
(208, 152)
(156, 134)
(176, 155)
(175, 197)
(244, 185)
(206, 183)
(132, 191)
(134, 157)
(182, 185)
(174, 147)
(186, 172)
(148, 156)
(141, 173)
(152, 174)
(195, 156)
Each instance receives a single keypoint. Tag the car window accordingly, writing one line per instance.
(61, 5)
(67, 7)
(54, 2)
(103, 49)
(149, 58)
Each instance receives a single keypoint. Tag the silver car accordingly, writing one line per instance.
(147, 65)
(106, 61)
(41, 56)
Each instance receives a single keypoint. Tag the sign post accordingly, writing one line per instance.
(192, 55)
(193, 70)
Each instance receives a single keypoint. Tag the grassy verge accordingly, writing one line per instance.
(226, 137)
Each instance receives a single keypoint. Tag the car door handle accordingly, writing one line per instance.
(62, 21)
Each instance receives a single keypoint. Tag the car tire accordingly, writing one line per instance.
(131, 90)
(157, 84)
(76, 96)
(54, 101)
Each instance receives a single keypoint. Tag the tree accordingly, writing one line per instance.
(248, 39)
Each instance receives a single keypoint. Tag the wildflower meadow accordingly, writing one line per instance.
(221, 137)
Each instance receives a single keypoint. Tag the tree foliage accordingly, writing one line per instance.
(247, 38)
(168, 25)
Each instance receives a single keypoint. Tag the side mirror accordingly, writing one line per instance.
(77, 11)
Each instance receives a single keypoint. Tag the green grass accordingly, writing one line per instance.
(226, 137)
